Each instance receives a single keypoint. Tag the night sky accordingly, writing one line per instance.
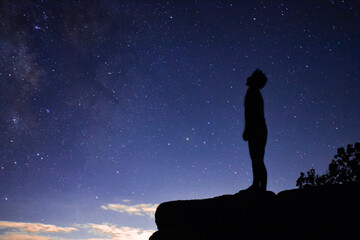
(109, 108)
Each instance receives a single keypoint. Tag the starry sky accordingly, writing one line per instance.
(109, 108)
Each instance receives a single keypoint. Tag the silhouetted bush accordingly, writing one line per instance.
(344, 168)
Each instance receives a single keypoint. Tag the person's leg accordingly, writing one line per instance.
(262, 172)
(262, 168)
(255, 163)
(257, 144)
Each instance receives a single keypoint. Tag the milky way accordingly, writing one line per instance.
(133, 103)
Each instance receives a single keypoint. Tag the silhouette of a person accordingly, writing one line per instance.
(255, 128)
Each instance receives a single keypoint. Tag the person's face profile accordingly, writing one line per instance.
(248, 81)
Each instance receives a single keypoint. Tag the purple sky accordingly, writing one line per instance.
(110, 108)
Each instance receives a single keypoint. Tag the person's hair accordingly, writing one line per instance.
(257, 79)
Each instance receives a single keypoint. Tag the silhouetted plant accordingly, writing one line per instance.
(344, 168)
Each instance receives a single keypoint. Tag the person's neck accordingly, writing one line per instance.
(254, 88)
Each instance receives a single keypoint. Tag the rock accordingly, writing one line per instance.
(328, 212)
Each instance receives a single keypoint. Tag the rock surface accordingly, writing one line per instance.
(328, 212)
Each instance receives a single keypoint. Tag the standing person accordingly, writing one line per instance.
(255, 128)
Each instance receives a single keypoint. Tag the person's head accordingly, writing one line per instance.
(257, 79)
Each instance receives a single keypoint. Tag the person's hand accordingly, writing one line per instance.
(245, 136)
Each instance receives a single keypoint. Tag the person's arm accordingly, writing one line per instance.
(245, 135)
(252, 111)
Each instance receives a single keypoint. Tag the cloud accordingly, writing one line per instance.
(28, 231)
(96, 239)
(35, 227)
(123, 233)
(139, 209)
(20, 236)
(23, 236)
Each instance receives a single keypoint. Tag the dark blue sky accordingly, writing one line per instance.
(130, 103)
